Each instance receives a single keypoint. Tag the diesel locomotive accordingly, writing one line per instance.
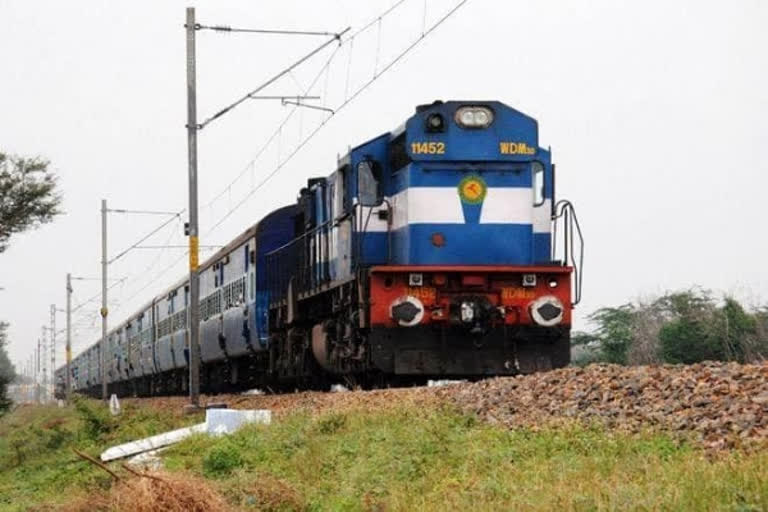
(437, 250)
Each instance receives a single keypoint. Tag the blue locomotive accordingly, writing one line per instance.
(436, 250)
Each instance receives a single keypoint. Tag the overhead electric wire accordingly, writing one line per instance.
(97, 296)
(140, 212)
(326, 68)
(377, 18)
(272, 137)
(337, 37)
(227, 28)
(161, 252)
(92, 279)
(145, 237)
(177, 246)
(339, 108)
(157, 276)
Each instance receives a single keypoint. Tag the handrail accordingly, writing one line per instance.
(564, 211)
(363, 230)
(303, 235)
(299, 258)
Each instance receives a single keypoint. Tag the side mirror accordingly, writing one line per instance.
(368, 183)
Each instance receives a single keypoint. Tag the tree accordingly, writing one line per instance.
(689, 335)
(614, 332)
(7, 372)
(28, 195)
(738, 331)
(686, 327)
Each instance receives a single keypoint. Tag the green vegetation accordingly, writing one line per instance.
(28, 195)
(681, 327)
(37, 464)
(28, 198)
(438, 459)
(7, 371)
(399, 459)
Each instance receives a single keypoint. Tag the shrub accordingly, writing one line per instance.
(222, 459)
(331, 423)
(96, 420)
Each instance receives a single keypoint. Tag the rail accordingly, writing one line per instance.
(573, 243)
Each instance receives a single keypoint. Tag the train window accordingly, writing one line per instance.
(368, 183)
(537, 168)
(398, 156)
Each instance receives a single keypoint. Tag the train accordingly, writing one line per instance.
(437, 250)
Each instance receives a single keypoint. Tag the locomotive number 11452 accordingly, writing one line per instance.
(428, 148)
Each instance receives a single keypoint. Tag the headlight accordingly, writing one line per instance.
(435, 123)
(474, 117)
(547, 311)
(407, 311)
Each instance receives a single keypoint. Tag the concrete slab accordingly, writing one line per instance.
(217, 422)
(226, 421)
(151, 443)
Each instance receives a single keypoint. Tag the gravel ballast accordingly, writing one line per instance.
(720, 405)
(717, 405)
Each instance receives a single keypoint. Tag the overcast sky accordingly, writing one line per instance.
(655, 112)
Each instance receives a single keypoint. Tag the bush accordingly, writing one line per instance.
(222, 459)
(96, 420)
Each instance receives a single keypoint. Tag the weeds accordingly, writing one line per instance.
(437, 459)
(96, 420)
(221, 459)
(403, 458)
(331, 423)
(37, 464)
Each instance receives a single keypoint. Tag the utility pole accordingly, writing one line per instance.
(53, 349)
(37, 372)
(68, 382)
(194, 283)
(104, 310)
(192, 129)
(44, 365)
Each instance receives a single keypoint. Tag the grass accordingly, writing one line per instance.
(37, 464)
(403, 458)
(410, 459)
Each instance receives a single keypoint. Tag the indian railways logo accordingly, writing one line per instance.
(472, 189)
(516, 148)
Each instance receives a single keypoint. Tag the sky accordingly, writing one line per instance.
(655, 113)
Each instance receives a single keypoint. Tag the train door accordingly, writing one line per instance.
(542, 212)
(343, 224)
(371, 237)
